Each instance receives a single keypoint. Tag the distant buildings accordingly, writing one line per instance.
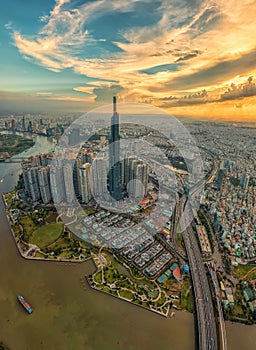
(74, 137)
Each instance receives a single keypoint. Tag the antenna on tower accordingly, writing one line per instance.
(114, 104)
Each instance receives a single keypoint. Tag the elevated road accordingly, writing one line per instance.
(222, 328)
(207, 334)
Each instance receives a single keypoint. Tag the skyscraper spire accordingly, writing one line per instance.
(115, 172)
(114, 104)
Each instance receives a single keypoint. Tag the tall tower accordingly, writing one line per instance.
(86, 182)
(68, 182)
(115, 166)
(44, 183)
(57, 183)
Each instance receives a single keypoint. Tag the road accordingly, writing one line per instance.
(207, 334)
(217, 291)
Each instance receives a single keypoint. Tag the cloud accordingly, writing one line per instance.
(238, 92)
(184, 46)
(194, 98)
(39, 93)
(105, 93)
(9, 25)
(187, 56)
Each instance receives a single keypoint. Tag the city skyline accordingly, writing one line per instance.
(195, 58)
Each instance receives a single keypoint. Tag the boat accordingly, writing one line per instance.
(25, 304)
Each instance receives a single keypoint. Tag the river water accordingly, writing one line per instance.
(68, 315)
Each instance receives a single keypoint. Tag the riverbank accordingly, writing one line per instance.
(32, 251)
(89, 281)
(12, 144)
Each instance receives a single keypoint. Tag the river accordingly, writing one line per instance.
(68, 314)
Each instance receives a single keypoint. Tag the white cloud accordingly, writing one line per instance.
(8, 25)
(55, 46)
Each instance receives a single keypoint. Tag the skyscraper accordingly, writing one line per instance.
(86, 182)
(68, 181)
(244, 181)
(44, 183)
(74, 137)
(115, 166)
(138, 178)
(23, 123)
(57, 183)
(33, 186)
(99, 177)
(76, 177)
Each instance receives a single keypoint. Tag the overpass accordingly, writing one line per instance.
(207, 334)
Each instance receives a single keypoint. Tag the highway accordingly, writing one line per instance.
(220, 312)
(207, 334)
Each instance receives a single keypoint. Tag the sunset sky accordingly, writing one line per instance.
(190, 57)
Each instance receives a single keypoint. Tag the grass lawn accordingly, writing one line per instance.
(66, 254)
(51, 217)
(245, 272)
(161, 301)
(61, 243)
(238, 311)
(28, 226)
(126, 294)
(39, 255)
(97, 277)
(110, 275)
(180, 240)
(187, 301)
(46, 235)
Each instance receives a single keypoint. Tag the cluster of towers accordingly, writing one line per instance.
(84, 178)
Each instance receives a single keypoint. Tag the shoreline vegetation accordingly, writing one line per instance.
(12, 145)
(60, 245)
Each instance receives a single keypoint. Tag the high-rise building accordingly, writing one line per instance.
(44, 184)
(99, 177)
(30, 126)
(74, 137)
(13, 124)
(138, 178)
(57, 184)
(76, 177)
(23, 125)
(68, 181)
(115, 166)
(219, 180)
(33, 185)
(86, 182)
(244, 181)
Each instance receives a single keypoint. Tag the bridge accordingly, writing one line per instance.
(14, 160)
